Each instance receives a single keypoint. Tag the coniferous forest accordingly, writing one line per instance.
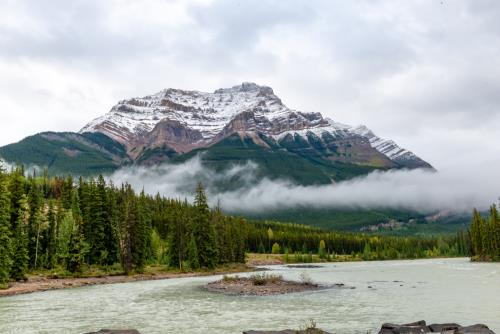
(484, 235)
(74, 224)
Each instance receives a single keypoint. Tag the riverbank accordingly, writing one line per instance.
(45, 282)
(53, 280)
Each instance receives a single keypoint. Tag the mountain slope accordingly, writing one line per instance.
(66, 152)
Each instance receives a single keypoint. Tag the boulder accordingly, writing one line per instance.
(417, 327)
(444, 327)
(421, 327)
(474, 329)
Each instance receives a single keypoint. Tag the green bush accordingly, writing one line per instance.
(263, 279)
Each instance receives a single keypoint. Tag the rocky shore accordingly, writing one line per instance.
(419, 327)
(37, 284)
(422, 327)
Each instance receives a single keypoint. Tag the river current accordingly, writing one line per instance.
(437, 290)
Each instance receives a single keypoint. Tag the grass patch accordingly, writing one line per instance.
(264, 279)
(230, 279)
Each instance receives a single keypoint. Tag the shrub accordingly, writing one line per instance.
(276, 248)
(227, 278)
(263, 279)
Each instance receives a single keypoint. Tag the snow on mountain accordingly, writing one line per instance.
(245, 107)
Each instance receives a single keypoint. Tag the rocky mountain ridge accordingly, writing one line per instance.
(185, 120)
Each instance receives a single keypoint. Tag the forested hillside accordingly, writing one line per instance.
(54, 222)
(72, 224)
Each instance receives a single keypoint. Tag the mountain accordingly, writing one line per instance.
(230, 125)
(68, 152)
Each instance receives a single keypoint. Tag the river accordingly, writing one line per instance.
(437, 290)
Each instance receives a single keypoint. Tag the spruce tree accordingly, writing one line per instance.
(99, 221)
(203, 230)
(35, 202)
(77, 251)
(16, 192)
(51, 235)
(20, 254)
(494, 232)
(5, 232)
(476, 233)
(141, 232)
(40, 226)
(193, 254)
(177, 236)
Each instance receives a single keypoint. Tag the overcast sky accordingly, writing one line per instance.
(424, 73)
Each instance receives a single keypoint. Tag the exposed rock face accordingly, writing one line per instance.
(185, 120)
(420, 327)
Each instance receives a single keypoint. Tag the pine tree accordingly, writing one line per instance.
(35, 202)
(127, 221)
(177, 241)
(261, 248)
(67, 193)
(193, 254)
(40, 226)
(16, 192)
(20, 254)
(51, 235)
(77, 251)
(5, 233)
(494, 232)
(203, 230)
(111, 240)
(99, 251)
(476, 231)
(141, 232)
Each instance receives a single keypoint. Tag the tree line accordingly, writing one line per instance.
(52, 222)
(484, 235)
(272, 237)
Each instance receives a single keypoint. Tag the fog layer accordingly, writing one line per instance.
(418, 190)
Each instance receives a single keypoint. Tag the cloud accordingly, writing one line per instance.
(423, 73)
(418, 190)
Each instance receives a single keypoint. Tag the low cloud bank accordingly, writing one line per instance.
(420, 190)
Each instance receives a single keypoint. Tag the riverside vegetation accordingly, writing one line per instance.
(79, 227)
(484, 235)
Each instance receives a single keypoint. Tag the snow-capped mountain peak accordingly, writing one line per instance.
(186, 119)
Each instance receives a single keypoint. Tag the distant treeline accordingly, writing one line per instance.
(71, 224)
(484, 234)
(293, 239)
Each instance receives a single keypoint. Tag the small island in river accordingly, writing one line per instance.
(262, 284)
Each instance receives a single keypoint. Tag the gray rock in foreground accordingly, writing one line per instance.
(420, 327)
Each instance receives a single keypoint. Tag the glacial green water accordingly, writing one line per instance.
(442, 290)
